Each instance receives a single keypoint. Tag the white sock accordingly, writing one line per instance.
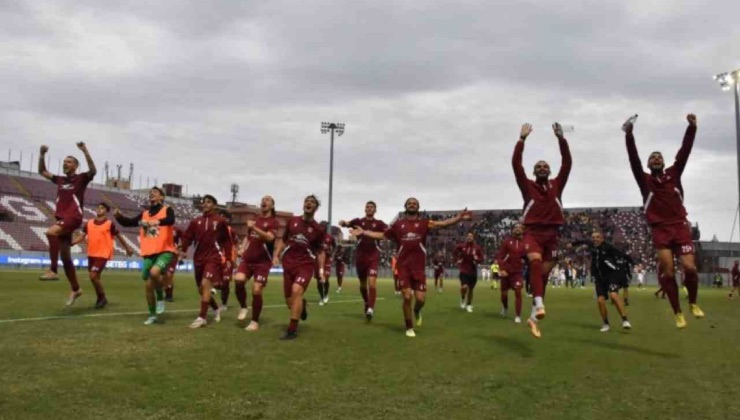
(538, 302)
(532, 314)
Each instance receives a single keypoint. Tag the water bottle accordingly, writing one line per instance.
(630, 121)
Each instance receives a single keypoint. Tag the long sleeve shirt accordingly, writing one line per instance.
(542, 200)
(662, 194)
(211, 237)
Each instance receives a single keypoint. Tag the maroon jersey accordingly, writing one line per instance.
(468, 255)
(510, 255)
(71, 195)
(257, 250)
(543, 203)
(329, 245)
(438, 264)
(303, 241)
(210, 234)
(411, 236)
(368, 249)
(735, 273)
(662, 195)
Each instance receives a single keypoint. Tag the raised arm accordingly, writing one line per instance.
(127, 221)
(516, 159)
(566, 160)
(634, 158)
(42, 163)
(92, 171)
(463, 215)
(688, 143)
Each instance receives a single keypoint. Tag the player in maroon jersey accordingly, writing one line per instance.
(257, 256)
(410, 234)
(439, 271)
(169, 275)
(662, 196)
(468, 255)
(210, 234)
(510, 258)
(301, 246)
(229, 261)
(367, 256)
(68, 214)
(735, 278)
(542, 217)
(329, 245)
(339, 263)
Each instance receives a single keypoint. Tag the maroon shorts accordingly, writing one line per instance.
(259, 271)
(339, 270)
(96, 264)
(676, 237)
(513, 281)
(367, 269)
(736, 283)
(438, 273)
(69, 225)
(210, 271)
(411, 278)
(542, 240)
(300, 275)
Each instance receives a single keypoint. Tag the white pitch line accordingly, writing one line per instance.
(104, 314)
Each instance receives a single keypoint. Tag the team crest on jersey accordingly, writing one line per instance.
(416, 225)
(310, 229)
(295, 224)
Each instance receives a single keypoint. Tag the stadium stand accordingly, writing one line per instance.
(27, 204)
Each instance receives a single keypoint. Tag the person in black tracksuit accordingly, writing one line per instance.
(607, 278)
(626, 265)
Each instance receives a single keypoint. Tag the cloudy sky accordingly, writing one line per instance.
(209, 93)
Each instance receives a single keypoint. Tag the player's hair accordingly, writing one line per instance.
(405, 203)
(471, 232)
(272, 210)
(318, 203)
(104, 204)
(225, 214)
(159, 190)
(210, 197)
(77, 162)
(372, 202)
(652, 153)
(597, 230)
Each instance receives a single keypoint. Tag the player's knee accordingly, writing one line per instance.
(689, 268)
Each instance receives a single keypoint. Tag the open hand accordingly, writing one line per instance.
(557, 129)
(526, 130)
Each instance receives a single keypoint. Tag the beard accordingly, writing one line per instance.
(412, 212)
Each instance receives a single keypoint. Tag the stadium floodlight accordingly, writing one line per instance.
(731, 80)
(338, 128)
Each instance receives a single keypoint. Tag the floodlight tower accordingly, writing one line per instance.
(234, 193)
(731, 80)
(330, 127)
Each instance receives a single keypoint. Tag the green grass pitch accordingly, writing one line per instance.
(105, 364)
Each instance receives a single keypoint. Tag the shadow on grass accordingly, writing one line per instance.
(624, 347)
(513, 345)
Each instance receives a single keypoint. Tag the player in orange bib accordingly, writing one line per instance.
(156, 236)
(99, 233)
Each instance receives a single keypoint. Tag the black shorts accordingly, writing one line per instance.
(469, 280)
(626, 280)
(606, 285)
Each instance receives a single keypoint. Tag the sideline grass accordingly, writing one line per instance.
(461, 365)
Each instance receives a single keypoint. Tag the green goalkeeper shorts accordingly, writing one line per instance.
(161, 260)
